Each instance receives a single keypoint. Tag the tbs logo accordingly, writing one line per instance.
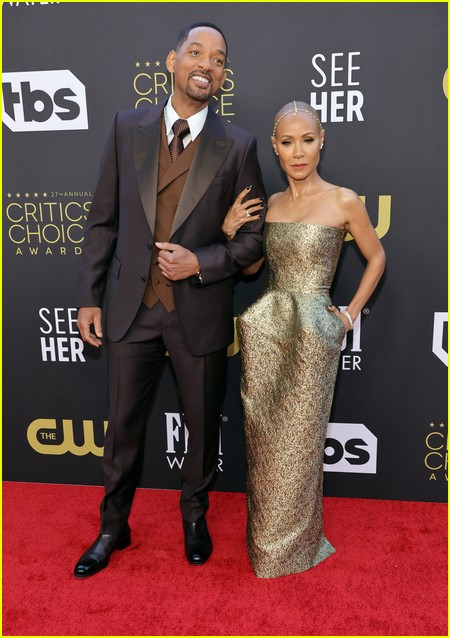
(440, 336)
(350, 447)
(44, 101)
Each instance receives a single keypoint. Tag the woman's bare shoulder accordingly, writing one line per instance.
(346, 196)
(272, 199)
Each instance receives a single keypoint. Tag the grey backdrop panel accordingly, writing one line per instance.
(384, 108)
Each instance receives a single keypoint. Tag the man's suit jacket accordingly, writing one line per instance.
(119, 232)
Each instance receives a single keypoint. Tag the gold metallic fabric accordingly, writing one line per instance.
(290, 346)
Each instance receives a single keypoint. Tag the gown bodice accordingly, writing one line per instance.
(301, 257)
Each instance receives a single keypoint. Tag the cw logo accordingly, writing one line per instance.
(384, 216)
(41, 435)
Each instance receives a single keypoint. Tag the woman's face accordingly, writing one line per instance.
(297, 141)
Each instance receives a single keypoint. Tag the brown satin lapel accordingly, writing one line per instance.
(212, 151)
(146, 137)
(165, 161)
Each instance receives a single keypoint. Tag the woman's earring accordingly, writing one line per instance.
(321, 146)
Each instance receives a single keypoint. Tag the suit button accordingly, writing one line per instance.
(144, 278)
(169, 285)
(149, 245)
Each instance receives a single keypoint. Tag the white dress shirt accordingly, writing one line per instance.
(196, 123)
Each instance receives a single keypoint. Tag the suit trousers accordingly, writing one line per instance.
(135, 365)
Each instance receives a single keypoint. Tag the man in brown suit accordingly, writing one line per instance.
(156, 260)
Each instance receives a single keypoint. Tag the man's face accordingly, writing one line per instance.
(199, 65)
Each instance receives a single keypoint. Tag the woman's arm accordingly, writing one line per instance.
(360, 227)
(241, 213)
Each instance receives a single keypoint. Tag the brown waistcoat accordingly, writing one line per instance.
(171, 179)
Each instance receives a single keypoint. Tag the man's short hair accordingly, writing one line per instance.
(184, 33)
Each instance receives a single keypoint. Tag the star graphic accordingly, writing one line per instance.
(442, 425)
(9, 195)
(157, 63)
(44, 194)
(18, 195)
(36, 194)
(431, 425)
(147, 64)
(137, 64)
(27, 194)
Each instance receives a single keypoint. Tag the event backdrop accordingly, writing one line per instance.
(376, 72)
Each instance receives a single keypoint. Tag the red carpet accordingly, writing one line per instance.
(388, 576)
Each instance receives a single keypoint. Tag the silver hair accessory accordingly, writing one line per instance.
(295, 110)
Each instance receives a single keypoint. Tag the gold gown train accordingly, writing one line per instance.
(290, 347)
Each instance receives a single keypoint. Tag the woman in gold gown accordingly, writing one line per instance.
(290, 345)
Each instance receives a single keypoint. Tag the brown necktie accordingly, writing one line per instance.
(180, 129)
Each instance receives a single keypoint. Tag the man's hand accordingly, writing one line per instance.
(176, 262)
(87, 317)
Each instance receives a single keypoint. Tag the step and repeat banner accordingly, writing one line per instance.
(376, 73)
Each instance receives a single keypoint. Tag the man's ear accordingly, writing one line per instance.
(170, 61)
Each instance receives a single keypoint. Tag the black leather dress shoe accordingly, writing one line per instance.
(197, 541)
(97, 556)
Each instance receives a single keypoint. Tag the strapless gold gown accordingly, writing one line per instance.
(290, 347)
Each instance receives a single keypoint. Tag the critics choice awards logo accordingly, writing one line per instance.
(436, 451)
(47, 222)
(152, 85)
(436, 436)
